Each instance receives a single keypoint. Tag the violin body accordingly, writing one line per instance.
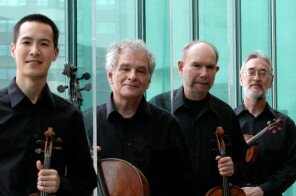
(122, 178)
(252, 151)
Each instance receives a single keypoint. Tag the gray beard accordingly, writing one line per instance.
(254, 96)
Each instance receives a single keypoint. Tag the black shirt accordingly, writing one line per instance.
(275, 167)
(22, 125)
(199, 129)
(151, 140)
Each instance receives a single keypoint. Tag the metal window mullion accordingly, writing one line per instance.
(141, 19)
(195, 19)
(273, 52)
(234, 51)
(171, 57)
(238, 50)
(72, 32)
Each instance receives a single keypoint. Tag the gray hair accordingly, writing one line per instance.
(129, 45)
(254, 55)
(195, 42)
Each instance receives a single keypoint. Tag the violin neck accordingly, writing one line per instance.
(46, 165)
(225, 186)
(225, 183)
(44, 193)
(257, 136)
(46, 162)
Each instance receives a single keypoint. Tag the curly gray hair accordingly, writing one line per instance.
(129, 45)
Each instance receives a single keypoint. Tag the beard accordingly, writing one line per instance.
(254, 96)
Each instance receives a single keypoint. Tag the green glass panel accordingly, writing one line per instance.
(285, 64)
(213, 28)
(10, 13)
(158, 32)
(115, 20)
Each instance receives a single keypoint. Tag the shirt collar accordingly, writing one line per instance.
(16, 95)
(242, 109)
(144, 108)
(179, 101)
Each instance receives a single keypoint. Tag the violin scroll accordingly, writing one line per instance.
(75, 96)
(275, 125)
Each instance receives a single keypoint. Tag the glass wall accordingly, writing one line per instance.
(115, 20)
(285, 62)
(168, 29)
(213, 28)
(10, 13)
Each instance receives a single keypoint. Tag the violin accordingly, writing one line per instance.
(48, 147)
(225, 189)
(253, 150)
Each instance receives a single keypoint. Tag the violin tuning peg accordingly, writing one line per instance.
(85, 76)
(57, 148)
(62, 88)
(58, 140)
(38, 151)
(39, 142)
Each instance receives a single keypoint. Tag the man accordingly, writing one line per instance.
(275, 167)
(199, 113)
(28, 109)
(131, 129)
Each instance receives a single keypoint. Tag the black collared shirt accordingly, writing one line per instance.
(199, 129)
(151, 140)
(275, 167)
(22, 127)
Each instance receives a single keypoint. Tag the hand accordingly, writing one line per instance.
(98, 150)
(225, 166)
(48, 179)
(253, 191)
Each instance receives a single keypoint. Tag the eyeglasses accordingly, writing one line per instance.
(261, 74)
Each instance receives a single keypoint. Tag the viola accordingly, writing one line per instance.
(251, 141)
(225, 189)
(119, 177)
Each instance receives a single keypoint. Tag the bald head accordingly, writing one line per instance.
(199, 43)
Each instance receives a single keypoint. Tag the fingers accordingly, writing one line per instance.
(39, 165)
(253, 191)
(48, 181)
(98, 148)
(225, 166)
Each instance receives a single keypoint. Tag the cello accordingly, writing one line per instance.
(119, 177)
(225, 189)
(253, 150)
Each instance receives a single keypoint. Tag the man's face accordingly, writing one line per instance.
(34, 50)
(256, 78)
(131, 77)
(198, 70)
